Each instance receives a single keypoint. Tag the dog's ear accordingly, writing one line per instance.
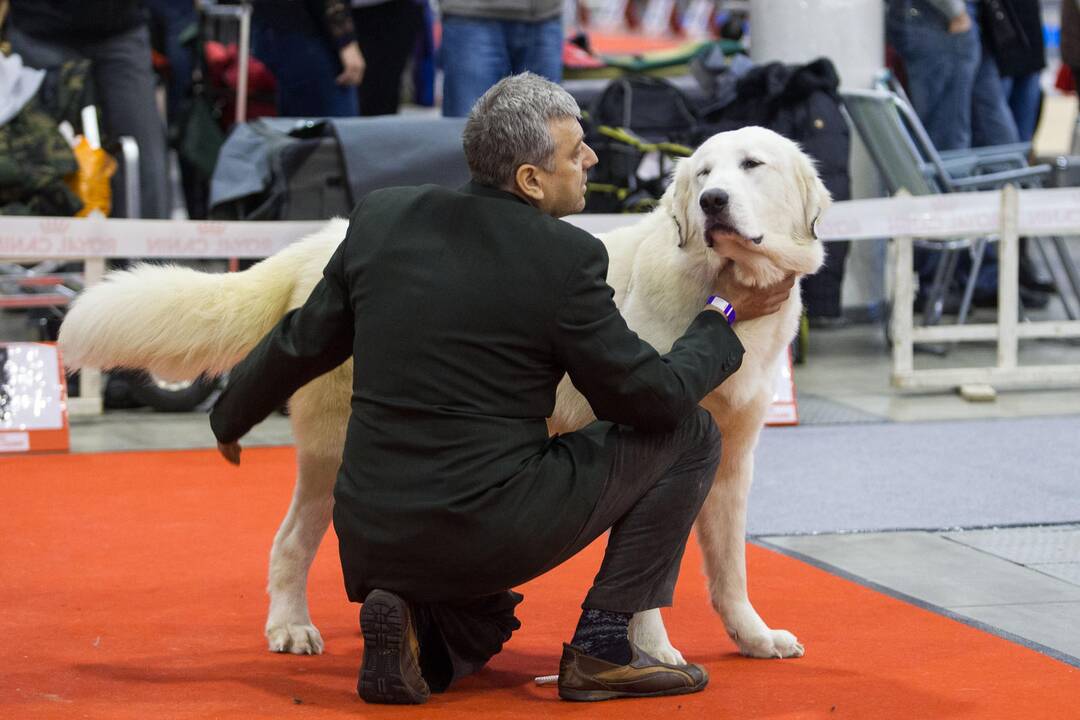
(815, 196)
(678, 198)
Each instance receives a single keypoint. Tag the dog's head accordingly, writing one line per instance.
(753, 197)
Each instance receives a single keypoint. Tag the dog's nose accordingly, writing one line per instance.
(713, 201)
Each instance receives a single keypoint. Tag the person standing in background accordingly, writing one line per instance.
(1020, 63)
(387, 31)
(113, 35)
(310, 47)
(484, 41)
(991, 119)
(940, 49)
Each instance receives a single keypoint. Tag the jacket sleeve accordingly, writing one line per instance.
(624, 379)
(309, 341)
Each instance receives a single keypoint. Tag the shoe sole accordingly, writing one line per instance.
(383, 624)
(597, 695)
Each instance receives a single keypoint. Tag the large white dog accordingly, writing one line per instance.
(748, 197)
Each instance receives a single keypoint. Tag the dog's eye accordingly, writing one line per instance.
(750, 164)
(704, 172)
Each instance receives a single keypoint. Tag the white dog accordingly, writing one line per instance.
(749, 196)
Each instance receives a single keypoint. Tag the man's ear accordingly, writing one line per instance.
(527, 182)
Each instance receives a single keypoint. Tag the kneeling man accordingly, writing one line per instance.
(462, 310)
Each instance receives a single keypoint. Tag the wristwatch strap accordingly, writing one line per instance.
(725, 308)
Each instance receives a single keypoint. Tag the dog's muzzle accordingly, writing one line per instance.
(715, 204)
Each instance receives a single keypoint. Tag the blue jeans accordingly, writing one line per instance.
(991, 120)
(174, 18)
(477, 53)
(941, 68)
(305, 67)
(1023, 94)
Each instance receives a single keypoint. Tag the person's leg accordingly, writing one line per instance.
(305, 69)
(38, 53)
(474, 57)
(537, 47)
(175, 18)
(940, 68)
(387, 34)
(991, 120)
(1024, 97)
(654, 489)
(125, 85)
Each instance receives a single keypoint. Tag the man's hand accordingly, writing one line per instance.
(230, 451)
(352, 62)
(960, 24)
(750, 302)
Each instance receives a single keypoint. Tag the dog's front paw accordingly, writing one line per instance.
(665, 654)
(648, 633)
(770, 644)
(296, 639)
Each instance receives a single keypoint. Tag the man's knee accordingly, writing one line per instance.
(705, 447)
(706, 433)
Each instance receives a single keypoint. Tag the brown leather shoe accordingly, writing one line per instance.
(582, 677)
(390, 671)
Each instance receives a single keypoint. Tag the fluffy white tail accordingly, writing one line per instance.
(173, 321)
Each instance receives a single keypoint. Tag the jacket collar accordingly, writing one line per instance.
(474, 188)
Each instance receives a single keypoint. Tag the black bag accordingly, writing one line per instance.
(652, 109)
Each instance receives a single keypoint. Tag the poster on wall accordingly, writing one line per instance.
(33, 398)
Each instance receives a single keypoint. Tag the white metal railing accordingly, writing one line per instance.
(1008, 330)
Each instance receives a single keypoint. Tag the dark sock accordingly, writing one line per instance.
(602, 634)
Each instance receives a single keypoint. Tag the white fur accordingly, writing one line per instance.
(179, 323)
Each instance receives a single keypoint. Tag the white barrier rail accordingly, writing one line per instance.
(1008, 214)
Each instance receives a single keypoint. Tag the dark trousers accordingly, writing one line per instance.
(655, 487)
(387, 34)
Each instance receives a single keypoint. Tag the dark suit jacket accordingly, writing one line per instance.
(462, 311)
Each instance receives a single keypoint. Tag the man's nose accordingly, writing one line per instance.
(590, 157)
(714, 200)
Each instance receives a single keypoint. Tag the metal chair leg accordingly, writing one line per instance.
(978, 250)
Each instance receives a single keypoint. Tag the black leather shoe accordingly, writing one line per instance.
(390, 671)
(586, 678)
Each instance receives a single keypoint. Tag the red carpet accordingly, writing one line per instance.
(131, 586)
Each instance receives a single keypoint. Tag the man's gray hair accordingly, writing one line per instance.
(508, 127)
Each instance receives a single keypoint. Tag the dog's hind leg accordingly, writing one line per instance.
(319, 412)
(288, 624)
(721, 527)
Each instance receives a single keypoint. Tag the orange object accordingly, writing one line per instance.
(91, 181)
(133, 587)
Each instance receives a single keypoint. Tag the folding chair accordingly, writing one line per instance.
(908, 160)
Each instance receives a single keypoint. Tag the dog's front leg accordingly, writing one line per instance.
(288, 624)
(721, 527)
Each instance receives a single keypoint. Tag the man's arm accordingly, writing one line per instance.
(624, 378)
(309, 341)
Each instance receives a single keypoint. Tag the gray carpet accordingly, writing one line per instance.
(842, 478)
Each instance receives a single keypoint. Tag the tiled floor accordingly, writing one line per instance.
(1023, 583)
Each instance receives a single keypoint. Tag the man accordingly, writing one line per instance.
(462, 311)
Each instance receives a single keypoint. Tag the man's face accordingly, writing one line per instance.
(564, 185)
